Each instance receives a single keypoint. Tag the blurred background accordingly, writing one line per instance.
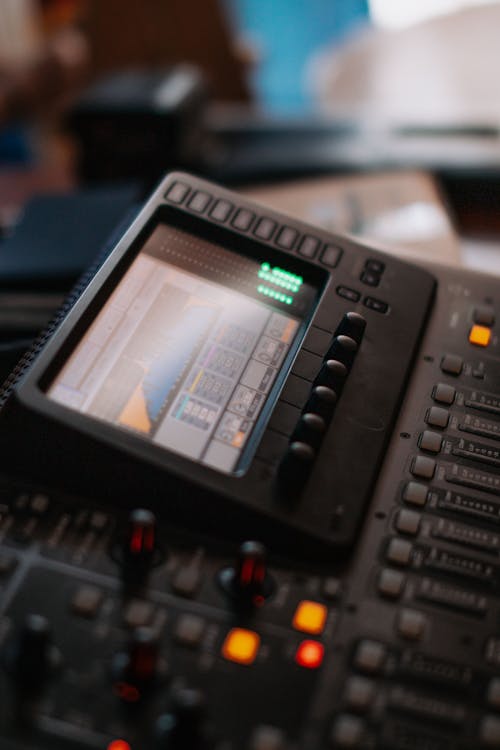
(372, 117)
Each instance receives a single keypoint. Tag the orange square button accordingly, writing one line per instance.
(310, 617)
(241, 646)
(480, 335)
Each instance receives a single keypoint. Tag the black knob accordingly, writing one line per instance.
(332, 374)
(184, 727)
(353, 325)
(248, 582)
(343, 349)
(295, 469)
(32, 656)
(310, 429)
(322, 401)
(140, 539)
(135, 669)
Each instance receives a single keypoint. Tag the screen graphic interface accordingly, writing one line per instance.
(186, 349)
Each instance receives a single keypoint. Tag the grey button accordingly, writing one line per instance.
(243, 219)
(483, 315)
(399, 551)
(267, 738)
(423, 467)
(39, 504)
(415, 493)
(86, 601)
(408, 522)
(489, 731)
(177, 192)
(493, 694)
(430, 441)
(331, 588)
(309, 246)
(189, 630)
(265, 228)
(331, 256)
(444, 393)
(411, 624)
(221, 210)
(370, 656)
(347, 731)
(186, 580)
(452, 364)
(138, 614)
(437, 417)
(287, 237)
(391, 583)
(359, 693)
(199, 201)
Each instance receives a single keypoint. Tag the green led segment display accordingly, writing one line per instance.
(278, 277)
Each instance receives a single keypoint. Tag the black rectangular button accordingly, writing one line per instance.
(351, 294)
(374, 266)
(265, 228)
(221, 210)
(375, 304)
(243, 220)
(177, 193)
(307, 365)
(284, 418)
(369, 278)
(287, 238)
(199, 201)
(296, 391)
(317, 341)
(272, 446)
(331, 255)
(309, 246)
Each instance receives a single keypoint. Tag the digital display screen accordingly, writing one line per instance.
(187, 348)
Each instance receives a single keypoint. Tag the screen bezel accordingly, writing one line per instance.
(107, 280)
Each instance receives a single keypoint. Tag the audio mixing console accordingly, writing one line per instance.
(250, 496)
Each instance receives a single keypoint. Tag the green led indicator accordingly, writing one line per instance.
(278, 277)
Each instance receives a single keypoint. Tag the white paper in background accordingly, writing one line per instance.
(481, 255)
(401, 212)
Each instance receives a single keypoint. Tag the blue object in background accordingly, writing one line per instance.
(14, 146)
(287, 33)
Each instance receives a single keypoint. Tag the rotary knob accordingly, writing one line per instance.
(184, 727)
(248, 582)
(295, 469)
(135, 669)
(32, 657)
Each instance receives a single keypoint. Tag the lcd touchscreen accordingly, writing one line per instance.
(187, 348)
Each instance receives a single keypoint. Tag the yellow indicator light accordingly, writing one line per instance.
(241, 646)
(310, 617)
(480, 335)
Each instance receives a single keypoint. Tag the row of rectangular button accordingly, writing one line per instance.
(264, 228)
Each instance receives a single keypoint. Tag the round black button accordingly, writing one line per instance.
(295, 468)
(343, 349)
(353, 325)
(332, 374)
(322, 401)
(310, 429)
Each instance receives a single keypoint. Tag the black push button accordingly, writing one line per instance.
(265, 228)
(391, 583)
(317, 341)
(452, 364)
(423, 467)
(307, 365)
(295, 468)
(376, 304)
(444, 394)
(243, 220)
(353, 325)
(483, 316)
(177, 192)
(287, 238)
(333, 375)
(437, 417)
(415, 493)
(374, 266)
(430, 441)
(296, 391)
(310, 429)
(309, 246)
(408, 522)
(199, 201)
(331, 256)
(351, 294)
(370, 279)
(322, 401)
(284, 418)
(343, 349)
(221, 210)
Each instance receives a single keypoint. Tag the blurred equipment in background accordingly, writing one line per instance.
(137, 123)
